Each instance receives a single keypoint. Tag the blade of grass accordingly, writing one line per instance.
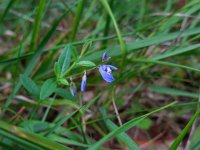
(20, 142)
(59, 123)
(123, 137)
(25, 136)
(77, 19)
(35, 58)
(121, 41)
(126, 126)
(176, 51)
(66, 141)
(180, 137)
(165, 63)
(37, 23)
(138, 45)
(171, 91)
(107, 26)
(11, 2)
(131, 46)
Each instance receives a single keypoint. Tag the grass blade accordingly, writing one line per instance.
(125, 127)
(48, 88)
(123, 137)
(34, 59)
(25, 136)
(179, 139)
(77, 19)
(11, 2)
(65, 59)
(121, 41)
(38, 20)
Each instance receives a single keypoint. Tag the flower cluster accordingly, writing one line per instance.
(105, 71)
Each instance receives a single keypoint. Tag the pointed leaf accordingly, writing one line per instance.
(86, 63)
(48, 88)
(57, 70)
(64, 59)
(63, 81)
(29, 85)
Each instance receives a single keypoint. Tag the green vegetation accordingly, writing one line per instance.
(99, 74)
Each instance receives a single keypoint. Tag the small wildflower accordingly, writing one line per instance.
(106, 72)
(104, 56)
(72, 88)
(83, 82)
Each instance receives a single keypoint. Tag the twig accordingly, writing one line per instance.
(147, 144)
(83, 115)
(116, 110)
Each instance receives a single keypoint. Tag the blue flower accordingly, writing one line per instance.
(83, 82)
(105, 57)
(106, 72)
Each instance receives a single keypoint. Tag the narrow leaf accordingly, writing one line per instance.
(29, 85)
(123, 137)
(57, 70)
(48, 88)
(86, 63)
(64, 59)
(125, 127)
(63, 81)
(179, 139)
(31, 138)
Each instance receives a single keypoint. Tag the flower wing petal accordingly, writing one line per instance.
(106, 76)
(112, 67)
(83, 82)
(104, 56)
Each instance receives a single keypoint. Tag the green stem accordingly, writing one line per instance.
(121, 41)
(107, 26)
(77, 19)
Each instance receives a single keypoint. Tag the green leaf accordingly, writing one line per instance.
(171, 91)
(123, 137)
(66, 94)
(86, 63)
(57, 70)
(63, 81)
(65, 140)
(29, 85)
(145, 124)
(48, 88)
(65, 59)
(121, 41)
(165, 63)
(37, 23)
(35, 58)
(28, 139)
(180, 137)
(126, 126)
(195, 141)
(9, 6)
(59, 123)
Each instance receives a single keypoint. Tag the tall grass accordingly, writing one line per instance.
(47, 46)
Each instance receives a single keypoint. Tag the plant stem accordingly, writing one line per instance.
(116, 110)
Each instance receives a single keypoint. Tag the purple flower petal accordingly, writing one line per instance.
(83, 82)
(104, 56)
(112, 67)
(108, 77)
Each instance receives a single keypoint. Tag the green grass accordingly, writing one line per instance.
(47, 46)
